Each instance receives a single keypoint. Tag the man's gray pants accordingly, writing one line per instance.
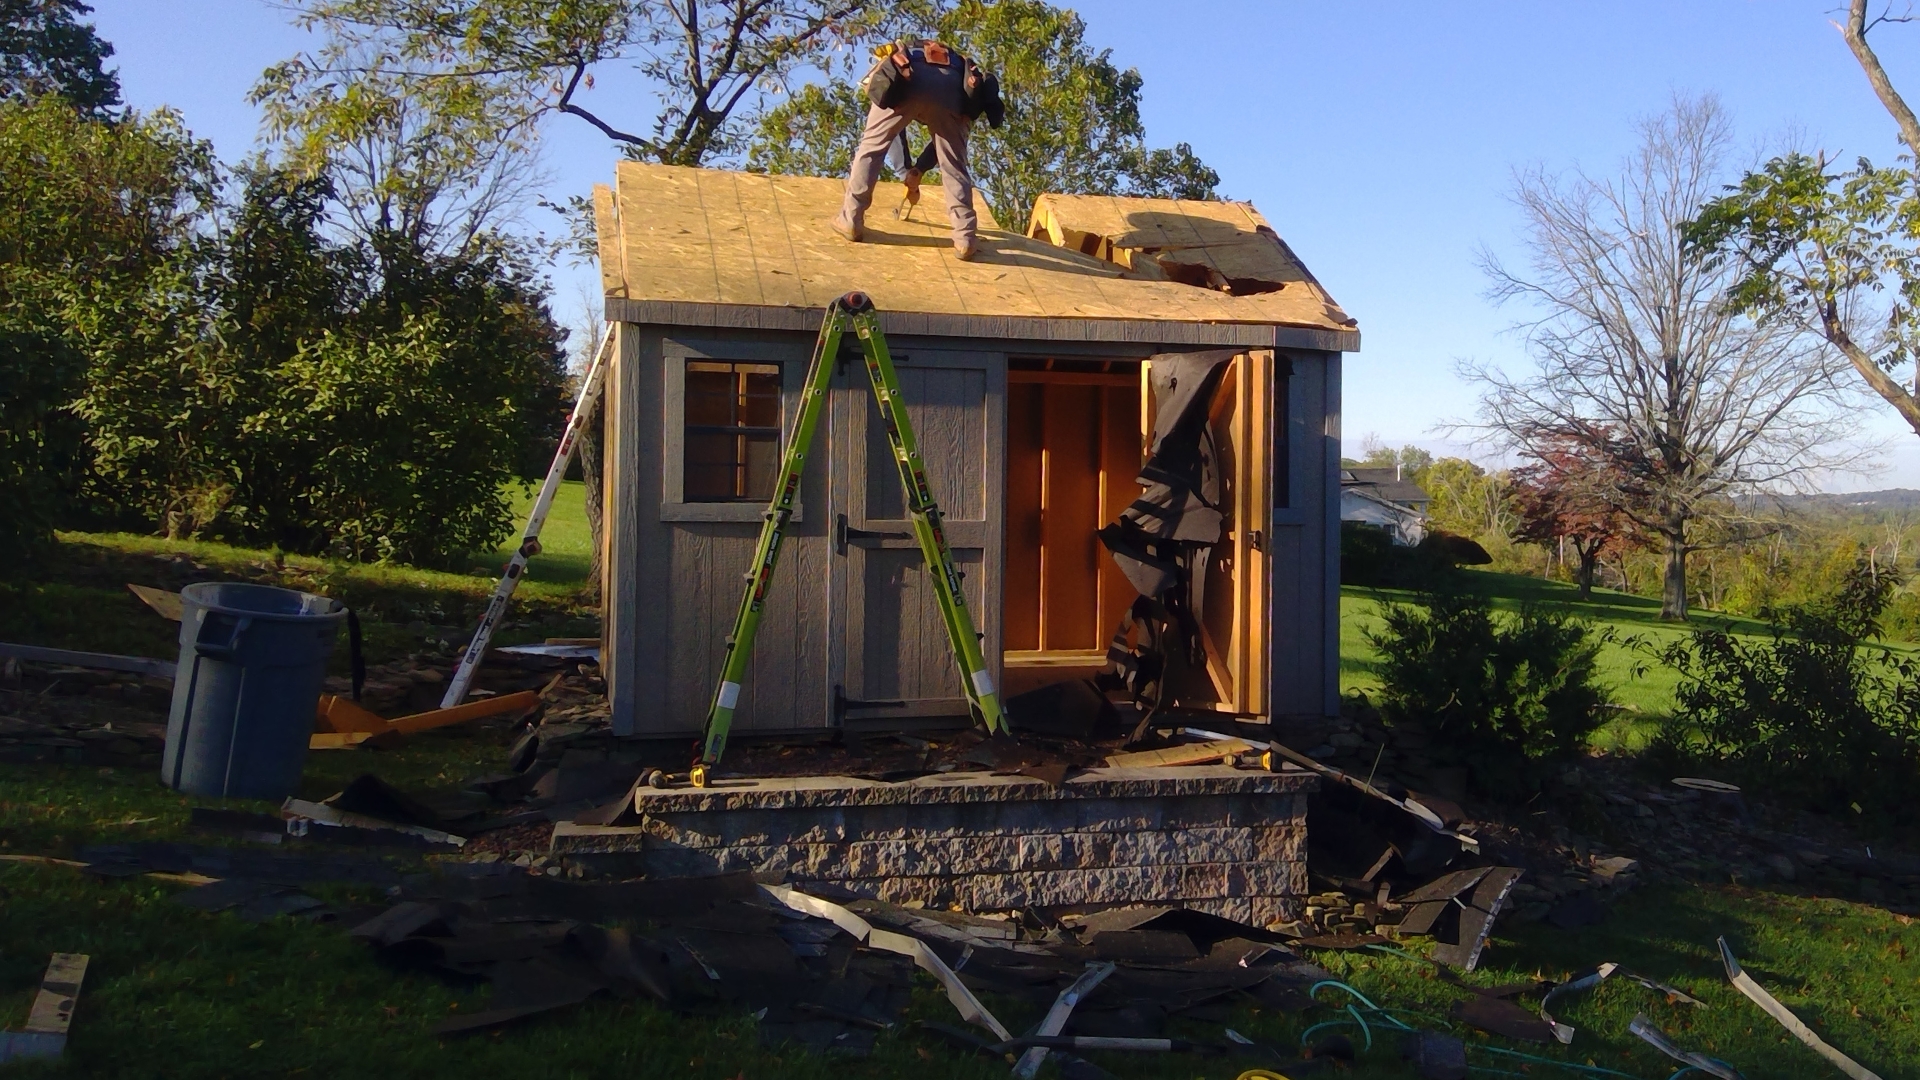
(949, 130)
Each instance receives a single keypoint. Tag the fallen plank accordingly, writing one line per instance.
(45, 1034)
(1056, 1019)
(139, 665)
(1189, 754)
(1744, 983)
(1657, 1039)
(165, 604)
(969, 1006)
(472, 710)
(157, 875)
(338, 740)
(339, 715)
(299, 809)
(342, 715)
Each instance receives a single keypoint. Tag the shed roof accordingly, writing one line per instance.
(1385, 483)
(710, 247)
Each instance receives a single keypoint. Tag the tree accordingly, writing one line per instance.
(443, 162)
(45, 50)
(96, 220)
(525, 59)
(367, 399)
(1568, 494)
(1643, 361)
(1073, 118)
(1411, 461)
(415, 103)
(1834, 251)
(1468, 500)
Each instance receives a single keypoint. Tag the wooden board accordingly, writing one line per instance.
(59, 991)
(708, 237)
(164, 604)
(1190, 754)
(1073, 451)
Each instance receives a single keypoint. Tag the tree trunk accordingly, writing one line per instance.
(1673, 589)
(596, 493)
(1589, 558)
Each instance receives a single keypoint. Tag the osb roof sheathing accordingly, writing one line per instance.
(678, 236)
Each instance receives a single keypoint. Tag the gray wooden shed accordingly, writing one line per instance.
(1025, 372)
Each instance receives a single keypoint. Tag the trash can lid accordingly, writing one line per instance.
(243, 598)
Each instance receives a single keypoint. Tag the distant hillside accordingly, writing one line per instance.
(1890, 499)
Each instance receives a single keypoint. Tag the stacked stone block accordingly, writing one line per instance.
(1211, 838)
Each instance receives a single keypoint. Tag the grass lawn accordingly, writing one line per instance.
(1642, 687)
(566, 544)
(178, 993)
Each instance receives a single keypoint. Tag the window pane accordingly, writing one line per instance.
(763, 466)
(711, 470)
(709, 396)
(760, 395)
(731, 424)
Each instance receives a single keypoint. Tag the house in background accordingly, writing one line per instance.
(1026, 375)
(1385, 499)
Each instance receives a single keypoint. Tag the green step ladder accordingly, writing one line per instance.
(853, 311)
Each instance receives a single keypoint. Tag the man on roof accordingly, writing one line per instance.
(933, 84)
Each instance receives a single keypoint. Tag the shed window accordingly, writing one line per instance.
(732, 422)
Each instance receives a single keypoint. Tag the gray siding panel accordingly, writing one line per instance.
(1305, 538)
(1330, 530)
(673, 584)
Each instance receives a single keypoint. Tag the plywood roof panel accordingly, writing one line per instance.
(703, 236)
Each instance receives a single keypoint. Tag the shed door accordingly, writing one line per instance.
(893, 658)
(1238, 577)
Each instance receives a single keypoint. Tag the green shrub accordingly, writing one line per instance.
(368, 400)
(93, 214)
(1816, 713)
(1498, 690)
(1368, 556)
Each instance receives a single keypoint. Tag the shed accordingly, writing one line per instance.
(1026, 375)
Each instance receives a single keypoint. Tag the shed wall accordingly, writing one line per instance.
(675, 573)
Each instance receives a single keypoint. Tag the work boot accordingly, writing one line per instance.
(965, 248)
(853, 233)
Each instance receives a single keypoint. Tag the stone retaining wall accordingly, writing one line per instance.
(1213, 838)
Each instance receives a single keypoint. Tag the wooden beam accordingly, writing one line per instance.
(1011, 329)
(341, 716)
(139, 665)
(164, 604)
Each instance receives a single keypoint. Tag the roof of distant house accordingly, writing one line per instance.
(689, 245)
(1386, 483)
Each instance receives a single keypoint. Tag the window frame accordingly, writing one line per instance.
(1288, 495)
(675, 354)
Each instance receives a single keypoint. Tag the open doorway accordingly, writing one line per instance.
(1073, 451)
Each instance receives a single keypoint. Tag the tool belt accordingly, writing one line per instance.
(891, 81)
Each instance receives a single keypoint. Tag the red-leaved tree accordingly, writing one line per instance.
(1570, 494)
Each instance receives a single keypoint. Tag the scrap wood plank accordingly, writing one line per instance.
(139, 665)
(165, 604)
(45, 1034)
(1756, 993)
(338, 715)
(1188, 754)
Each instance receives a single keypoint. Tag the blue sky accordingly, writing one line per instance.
(1378, 138)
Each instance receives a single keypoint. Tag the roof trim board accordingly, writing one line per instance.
(998, 327)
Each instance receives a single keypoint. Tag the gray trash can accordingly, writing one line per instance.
(251, 661)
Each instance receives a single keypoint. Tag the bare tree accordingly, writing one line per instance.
(441, 163)
(1642, 362)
